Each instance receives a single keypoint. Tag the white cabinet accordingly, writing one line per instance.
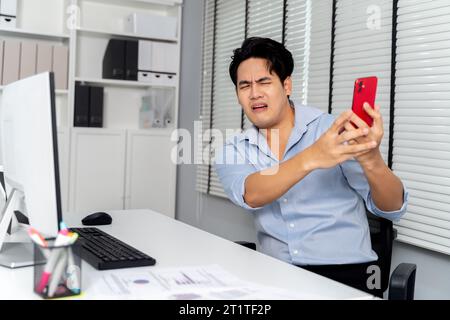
(98, 170)
(151, 174)
(119, 169)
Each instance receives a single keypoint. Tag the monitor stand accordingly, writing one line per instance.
(18, 250)
(17, 255)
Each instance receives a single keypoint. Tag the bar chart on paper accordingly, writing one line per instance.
(174, 279)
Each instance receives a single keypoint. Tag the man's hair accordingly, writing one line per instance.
(279, 59)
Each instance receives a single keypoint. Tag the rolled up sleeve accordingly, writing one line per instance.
(358, 181)
(391, 215)
(232, 174)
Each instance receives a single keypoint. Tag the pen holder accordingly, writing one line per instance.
(57, 270)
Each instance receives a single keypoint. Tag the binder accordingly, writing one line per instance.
(131, 60)
(44, 58)
(145, 55)
(96, 107)
(81, 110)
(1, 61)
(28, 59)
(11, 61)
(114, 60)
(8, 8)
(60, 66)
(158, 57)
(164, 57)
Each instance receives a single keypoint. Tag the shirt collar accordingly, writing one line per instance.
(303, 117)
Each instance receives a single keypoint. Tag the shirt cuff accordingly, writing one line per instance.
(390, 215)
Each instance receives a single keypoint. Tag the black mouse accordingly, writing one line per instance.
(97, 219)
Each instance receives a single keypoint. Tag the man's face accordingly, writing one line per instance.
(261, 94)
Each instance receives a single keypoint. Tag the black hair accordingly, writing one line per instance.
(279, 59)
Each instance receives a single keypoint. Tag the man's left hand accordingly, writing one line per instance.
(372, 157)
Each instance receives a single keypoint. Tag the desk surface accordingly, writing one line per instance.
(173, 243)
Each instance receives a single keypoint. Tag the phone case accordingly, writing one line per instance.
(365, 90)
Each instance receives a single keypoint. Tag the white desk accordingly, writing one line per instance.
(173, 243)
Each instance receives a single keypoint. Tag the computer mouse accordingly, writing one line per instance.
(97, 219)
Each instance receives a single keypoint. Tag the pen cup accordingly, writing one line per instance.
(57, 270)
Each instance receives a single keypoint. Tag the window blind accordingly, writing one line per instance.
(297, 37)
(264, 19)
(226, 112)
(362, 48)
(421, 151)
(319, 60)
(206, 91)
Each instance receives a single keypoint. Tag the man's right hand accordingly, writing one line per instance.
(332, 148)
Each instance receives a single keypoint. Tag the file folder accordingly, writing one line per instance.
(8, 8)
(1, 61)
(164, 58)
(114, 60)
(131, 60)
(96, 107)
(28, 59)
(44, 58)
(81, 116)
(11, 61)
(60, 66)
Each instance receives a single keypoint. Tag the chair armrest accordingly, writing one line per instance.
(403, 279)
(250, 245)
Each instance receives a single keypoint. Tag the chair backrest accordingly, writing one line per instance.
(382, 236)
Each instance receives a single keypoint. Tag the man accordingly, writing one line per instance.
(306, 177)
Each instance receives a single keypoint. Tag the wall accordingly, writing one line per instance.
(222, 218)
(432, 278)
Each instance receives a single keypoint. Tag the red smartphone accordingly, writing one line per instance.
(365, 91)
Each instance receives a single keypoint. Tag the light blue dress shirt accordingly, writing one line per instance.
(322, 219)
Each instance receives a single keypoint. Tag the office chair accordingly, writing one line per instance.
(382, 234)
(402, 282)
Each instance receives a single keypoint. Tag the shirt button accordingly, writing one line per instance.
(292, 225)
(295, 251)
(285, 200)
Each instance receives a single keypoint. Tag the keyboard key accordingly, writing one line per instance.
(104, 252)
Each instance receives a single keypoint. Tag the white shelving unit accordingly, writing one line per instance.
(118, 83)
(107, 34)
(57, 92)
(118, 166)
(33, 34)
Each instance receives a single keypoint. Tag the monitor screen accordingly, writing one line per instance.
(30, 150)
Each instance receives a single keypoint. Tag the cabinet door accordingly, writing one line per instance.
(63, 155)
(151, 174)
(98, 170)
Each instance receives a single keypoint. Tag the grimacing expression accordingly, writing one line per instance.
(261, 94)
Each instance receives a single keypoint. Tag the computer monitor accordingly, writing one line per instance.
(30, 162)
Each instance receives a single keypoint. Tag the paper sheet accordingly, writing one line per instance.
(185, 283)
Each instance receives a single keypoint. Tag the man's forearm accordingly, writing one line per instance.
(386, 189)
(266, 186)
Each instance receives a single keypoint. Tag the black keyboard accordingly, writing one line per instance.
(104, 252)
